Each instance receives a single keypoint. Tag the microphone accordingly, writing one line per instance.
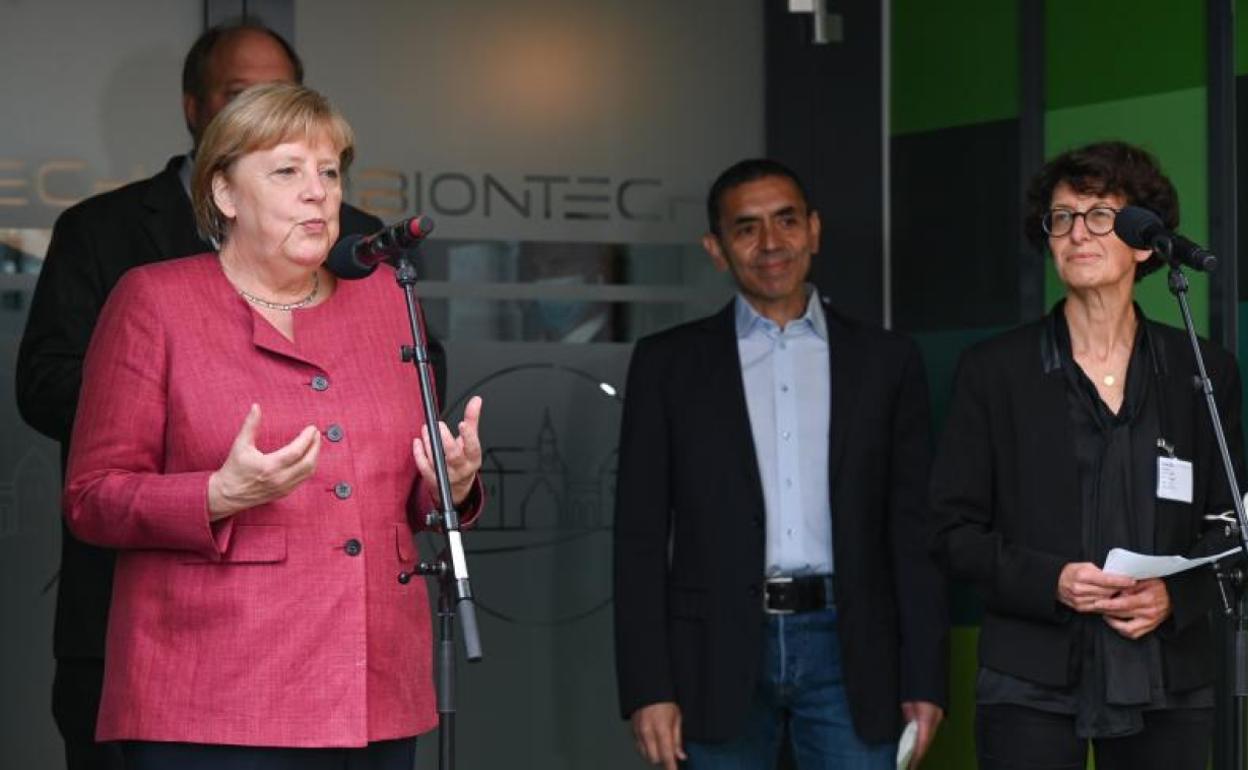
(357, 256)
(1140, 228)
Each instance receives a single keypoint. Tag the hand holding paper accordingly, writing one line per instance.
(1138, 610)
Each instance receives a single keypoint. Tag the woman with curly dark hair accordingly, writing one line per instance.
(1067, 437)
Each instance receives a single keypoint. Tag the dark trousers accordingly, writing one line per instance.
(75, 702)
(1019, 738)
(382, 755)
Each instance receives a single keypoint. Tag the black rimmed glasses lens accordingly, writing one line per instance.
(1099, 220)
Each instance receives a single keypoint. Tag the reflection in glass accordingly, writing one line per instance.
(564, 292)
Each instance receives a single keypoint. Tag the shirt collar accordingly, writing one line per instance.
(748, 319)
(184, 171)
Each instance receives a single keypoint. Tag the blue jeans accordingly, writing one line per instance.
(800, 682)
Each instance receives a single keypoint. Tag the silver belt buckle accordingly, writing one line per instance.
(773, 581)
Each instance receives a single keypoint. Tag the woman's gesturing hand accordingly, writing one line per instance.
(250, 477)
(463, 453)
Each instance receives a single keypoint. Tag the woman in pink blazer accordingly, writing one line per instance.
(257, 617)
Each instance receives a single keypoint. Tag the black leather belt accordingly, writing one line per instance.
(789, 595)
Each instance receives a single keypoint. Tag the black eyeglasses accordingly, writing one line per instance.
(1099, 220)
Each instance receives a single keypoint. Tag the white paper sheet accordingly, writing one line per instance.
(1140, 566)
(905, 746)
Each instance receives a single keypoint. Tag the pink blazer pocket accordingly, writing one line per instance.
(406, 546)
(251, 544)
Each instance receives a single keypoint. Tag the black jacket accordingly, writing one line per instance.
(1005, 491)
(689, 629)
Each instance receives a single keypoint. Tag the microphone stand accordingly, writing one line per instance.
(1230, 578)
(450, 567)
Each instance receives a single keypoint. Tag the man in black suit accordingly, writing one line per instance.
(93, 244)
(770, 516)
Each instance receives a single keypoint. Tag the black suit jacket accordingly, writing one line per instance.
(93, 244)
(1005, 491)
(689, 626)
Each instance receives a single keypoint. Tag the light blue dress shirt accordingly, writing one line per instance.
(787, 393)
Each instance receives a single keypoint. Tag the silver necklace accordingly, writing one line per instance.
(285, 308)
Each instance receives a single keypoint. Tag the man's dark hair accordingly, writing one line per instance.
(1104, 168)
(748, 171)
(193, 69)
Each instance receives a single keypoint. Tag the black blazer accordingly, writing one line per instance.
(93, 244)
(689, 627)
(1005, 492)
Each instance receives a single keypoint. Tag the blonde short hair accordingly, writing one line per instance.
(260, 118)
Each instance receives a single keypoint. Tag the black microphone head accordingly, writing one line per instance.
(1194, 255)
(342, 261)
(1138, 227)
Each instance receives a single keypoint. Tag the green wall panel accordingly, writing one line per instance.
(1241, 37)
(1172, 126)
(954, 747)
(941, 351)
(1113, 49)
(954, 63)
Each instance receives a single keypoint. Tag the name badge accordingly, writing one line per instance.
(1174, 479)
